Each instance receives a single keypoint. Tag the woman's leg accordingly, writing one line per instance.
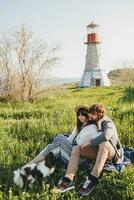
(37, 159)
(60, 147)
(73, 163)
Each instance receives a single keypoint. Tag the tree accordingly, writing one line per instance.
(6, 73)
(24, 62)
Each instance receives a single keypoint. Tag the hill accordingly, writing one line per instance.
(26, 128)
(124, 76)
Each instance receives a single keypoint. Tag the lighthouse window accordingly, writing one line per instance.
(95, 65)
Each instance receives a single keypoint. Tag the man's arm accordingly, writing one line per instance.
(108, 130)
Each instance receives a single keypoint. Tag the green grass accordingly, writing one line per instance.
(26, 128)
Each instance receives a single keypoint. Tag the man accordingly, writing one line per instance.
(106, 146)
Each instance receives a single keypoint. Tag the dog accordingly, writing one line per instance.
(28, 174)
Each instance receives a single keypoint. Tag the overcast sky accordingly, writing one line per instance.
(65, 21)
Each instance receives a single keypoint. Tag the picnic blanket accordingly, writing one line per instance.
(128, 159)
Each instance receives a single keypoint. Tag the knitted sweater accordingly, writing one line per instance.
(109, 133)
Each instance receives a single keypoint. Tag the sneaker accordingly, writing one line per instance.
(88, 186)
(65, 184)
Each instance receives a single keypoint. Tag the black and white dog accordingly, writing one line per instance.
(27, 175)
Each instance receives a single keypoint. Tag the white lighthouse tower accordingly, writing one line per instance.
(94, 74)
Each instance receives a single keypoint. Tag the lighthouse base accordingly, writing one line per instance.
(94, 79)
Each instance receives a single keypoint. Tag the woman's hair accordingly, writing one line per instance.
(98, 109)
(83, 112)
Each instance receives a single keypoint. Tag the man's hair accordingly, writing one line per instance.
(98, 109)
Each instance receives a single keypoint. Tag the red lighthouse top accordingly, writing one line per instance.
(92, 25)
(92, 33)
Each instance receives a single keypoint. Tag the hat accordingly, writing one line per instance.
(85, 106)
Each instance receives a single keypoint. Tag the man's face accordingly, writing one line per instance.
(93, 116)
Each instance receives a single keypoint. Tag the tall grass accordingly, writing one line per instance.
(26, 128)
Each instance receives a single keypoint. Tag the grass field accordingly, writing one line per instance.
(26, 128)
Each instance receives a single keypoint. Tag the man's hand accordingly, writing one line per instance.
(84, 146)
(86, 150)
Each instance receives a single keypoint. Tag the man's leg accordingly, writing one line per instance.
(60, 143)
(105, 152)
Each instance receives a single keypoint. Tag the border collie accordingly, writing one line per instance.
(27, 175)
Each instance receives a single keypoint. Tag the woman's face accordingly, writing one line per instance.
(82, 118)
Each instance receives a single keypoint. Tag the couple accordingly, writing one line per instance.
(94, 137)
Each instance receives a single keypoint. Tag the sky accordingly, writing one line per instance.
(64, 22)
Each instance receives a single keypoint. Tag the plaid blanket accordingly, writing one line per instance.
(128, 159)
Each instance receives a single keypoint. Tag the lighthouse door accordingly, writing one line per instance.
(97, 82)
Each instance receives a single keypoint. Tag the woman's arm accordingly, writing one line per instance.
(72, 135)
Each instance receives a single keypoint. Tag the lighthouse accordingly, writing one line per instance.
(94, 73)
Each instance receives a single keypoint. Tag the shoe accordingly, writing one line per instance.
(88, 186)
(65, 184)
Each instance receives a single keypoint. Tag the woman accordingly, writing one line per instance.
(61, 146)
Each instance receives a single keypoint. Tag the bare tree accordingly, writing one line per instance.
(6, 72)
(24, 62)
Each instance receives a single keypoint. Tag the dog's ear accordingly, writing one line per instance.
(49, 156)
(50, 160)
(27, 170)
